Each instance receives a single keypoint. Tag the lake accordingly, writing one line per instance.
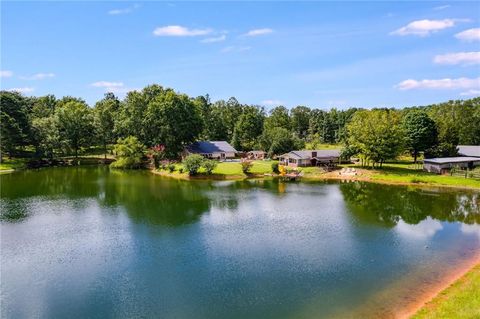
(84, 242)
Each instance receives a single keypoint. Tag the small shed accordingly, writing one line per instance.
(443, 165)
(256, 155)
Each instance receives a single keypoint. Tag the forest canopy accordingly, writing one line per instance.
(51, 126)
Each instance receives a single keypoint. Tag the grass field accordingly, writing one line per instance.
(234, 168)
(460, 300)
(409, 173)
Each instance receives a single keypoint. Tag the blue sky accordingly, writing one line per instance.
(320, 54)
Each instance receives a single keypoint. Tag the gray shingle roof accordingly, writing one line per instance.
(446, 160)
(469, 150)
(207, 147)
(308, 154)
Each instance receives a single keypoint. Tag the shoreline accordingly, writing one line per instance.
(425, 298)
(327, 177)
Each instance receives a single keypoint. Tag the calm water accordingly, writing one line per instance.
(94, 243)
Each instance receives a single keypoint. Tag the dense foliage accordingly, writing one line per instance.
(50, 127)
(130, 153)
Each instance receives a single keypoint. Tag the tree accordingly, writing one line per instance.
(15, 126)
(279, 117)
(75, 124)
(47, 135)
(172, 120)
(300, 120)
(129, 152)
(192, 163)
(209, 165)
(104, 120)
(421, 132)
(248, 128)
(278, 141)
(246, 166)
(376, 134)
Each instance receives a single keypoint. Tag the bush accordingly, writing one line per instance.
(171, 168)
(209, 165)
(275, 168)
(246, 166)
(180, 170)
(192, 163)
(130, 153)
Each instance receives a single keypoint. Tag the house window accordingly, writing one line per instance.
(291, 160)
(314, 154)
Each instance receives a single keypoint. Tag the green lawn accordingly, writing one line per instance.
(12, 163)
(233, 168)
(409, 173)
(460, 300)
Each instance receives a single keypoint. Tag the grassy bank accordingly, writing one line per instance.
(460, 300)
(390, 173)
(8, 164)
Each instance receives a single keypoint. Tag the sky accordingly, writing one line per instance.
(319, 54)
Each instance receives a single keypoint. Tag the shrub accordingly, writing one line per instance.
(180, 170)
(275, 168)
(246, 166)
(192, 163)
(209, 165)
(130, 153)
(171, 168)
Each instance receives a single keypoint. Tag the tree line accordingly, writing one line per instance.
(52, 127)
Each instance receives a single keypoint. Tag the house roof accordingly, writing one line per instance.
(257, 152)
(469, 150)
(308, 154)
(447, 160)
(207, 147)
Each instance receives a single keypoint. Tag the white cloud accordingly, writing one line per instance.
(214, 39)
(104, 84)
(114, 87)
(272, 102)
(121, 90)
(256, 32)
(442, 7)
(424, 230)
(22, 90)
(124, 10)
(235, 49)
(6, 74)
(38, 76)
(469, 35)
(470, 93)
(179, 31)
(464, 58)
(460, 83)
(425, 27)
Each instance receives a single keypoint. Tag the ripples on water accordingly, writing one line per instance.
(89, 242)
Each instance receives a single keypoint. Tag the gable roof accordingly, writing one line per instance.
(207, 147)
(447, 160)
(469, 150)
(308, 154)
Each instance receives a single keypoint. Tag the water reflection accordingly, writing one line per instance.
(388, 205)
(145, 198)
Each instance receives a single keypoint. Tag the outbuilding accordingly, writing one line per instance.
(257, 155)
(469, 150)
(443, 165)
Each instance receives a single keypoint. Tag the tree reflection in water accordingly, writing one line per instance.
(386, 204)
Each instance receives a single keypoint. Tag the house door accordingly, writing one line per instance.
(222, 155)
